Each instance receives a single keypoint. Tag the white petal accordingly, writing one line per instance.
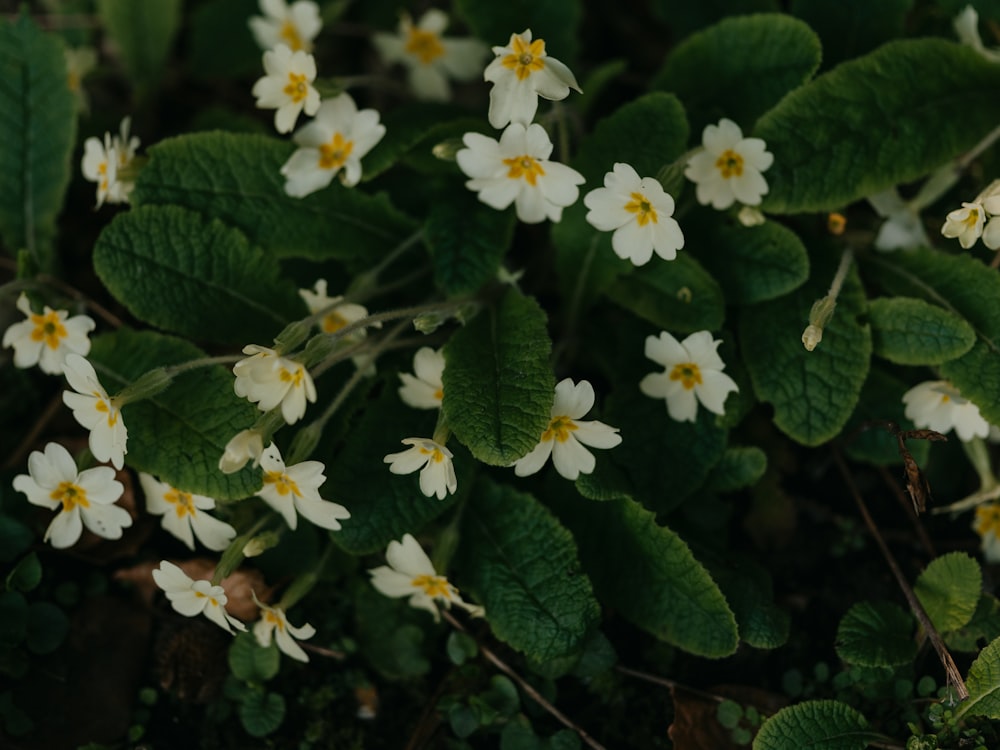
(533, 461)
(571, 459)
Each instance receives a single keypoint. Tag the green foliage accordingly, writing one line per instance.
(949, 589)
(750, 593)
(818, 725)
(251, 662)
(848, 28)
(913, 332)
(144, 34)
(13, 618)
(983, 684)
(556, 22)
(261, 713)
(683, 18)
(15, 538)
(984, 626)
(739, 467)
(876, 634)
(219, 47)
(406, 128)
(881, 399)
(26, 574)
(47, 627)
(390, 638)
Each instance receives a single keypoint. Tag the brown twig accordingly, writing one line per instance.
(672, 684)
(918, 527)
(102, 312)
(329, 653)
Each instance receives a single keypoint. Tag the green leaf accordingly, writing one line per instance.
(143, 34)
(537, 604)
(949, 588)
(37, 130)
(983, 684)
(739, 467)
(877, 121)
(881, 399)
(236, 177)
(816, 725)
(851, 28)
(683, 18)
(387, 635)
(406, 127)
(179, 434)
(262, 713)
(186, 274)
(749, 590)
(647, 573)
(13, 618)
(740, 67)
(910, 331)
(15, 538)
(48, 627)
(984, 626)
(498, 385)
(251, 662)
(597, 82)
(26, 575)
(555, 21)
(219, 48)
(876, 634)
(813, 393)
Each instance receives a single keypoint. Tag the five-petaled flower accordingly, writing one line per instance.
(83, 498)
(295, 489)
(45, 339)
(100, 165)
(566, 435)
(430, 57)
(287, 86)
(242, 446)
(520, 73)
(339, 314)
(938, 405)
(516, 169)
(184, 514)
(336, 140)
(192, 598)
(96, 411)
(268, 379)
(273, 624)
(965, 223)
(424, 389)
(728, 167)
(410, 573)
(692, 373)
(640, 214)
(294, 25)
(437, 473)
(987, 525)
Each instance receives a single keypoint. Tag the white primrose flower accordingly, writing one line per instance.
(96, 411)
(274, 625)
(728, 167)
(639, 213)
(243, 446)
(287, 86)
(520, 73)
(100, 165)
(424, 389)
(336, 140)
(966, 25)
(410, 573)
(125, 147)
(437, 473)
(938, 405)
(192, 598)
(45, 339)
(966, 224)
(566, 435)
(294, 25)
(902, 228)
(184, 514)
(85, 498)
(516, 169)
(267, 379)
(79, 62)
(692, 373)
(431, 58)
(293, 490)
(987, 525)
(342, 315)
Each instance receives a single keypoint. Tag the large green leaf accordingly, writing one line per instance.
(910, 331)
(949, 590)
(876, 634)
(143, 33)
(888, 117)
(881, 401)
(187, 274)
(406, 127)
(498, 385)
(555, 21)
(849, 28)
(816, 725)
(536, 603)
(37, 131)
(749, 590)
(739, 467)
(983, 684)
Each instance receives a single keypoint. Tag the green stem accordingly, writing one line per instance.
(370, 277)
(305, 582)
(233, 555)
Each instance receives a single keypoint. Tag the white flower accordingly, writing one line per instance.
(243, 446)
(192, 598)
(273, 623)
(692, 373)
(520, 73)
(903, 228)
(639, 213)
(100, 165)
(410, 573)
(430, 58)
(424, 389)
(517, 170)
(987, 525)
(966, 25)
(437, 474)
(124, 147)
(566, 436)
(85, 499)
(267, 379)
(46, 339)
(79, 62)
(965, 223)
(337, 139)
(343, 314)
(728, 167)
(937, 405)
(287, 86)
(295, 488)
(295, 26)
(184, 513)
(96, 411)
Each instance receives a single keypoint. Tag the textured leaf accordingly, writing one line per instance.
(405, 127)
(850, 28)
(739, 467)
(814, 725)
(949, 588)
(536, 603)
(250, 662)
(910, 331)
(390, 634)
(37, 130)
(48, 627)
(740, 67)
(877, 121)
(262, 713)
(983, 684)
(881, 399)
(236, 177)
(984, 626)
(186, 274)
(750, 592)
(179, 434)
(143, 33)
(813, 393)
(876, 634)
(498, 385)
(555, 21)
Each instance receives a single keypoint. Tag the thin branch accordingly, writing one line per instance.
(672, 684)
(907, 506)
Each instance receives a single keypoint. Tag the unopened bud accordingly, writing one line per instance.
(750, 216)
(261, 543)
(446, 150)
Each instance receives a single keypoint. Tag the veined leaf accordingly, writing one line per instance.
(949, 588)
(984, 626)
(881, 399)
(816, 725)
(910, 331)
(876, 634)
(983, 684)
(739, 467)
(144, 33)
(405, 127)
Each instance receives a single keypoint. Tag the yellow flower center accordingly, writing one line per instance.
(525, 59)
(70, 495)
(988, 519)
(273, 619)
(436, 587)
(559, 429)
(972, 218)
(292, 376)
(182, 501)
(435, 454)
(48, 328)
(334, 154)
(526, 167)
(688, 373)
(73, 79)
(297, 87)
(439, 394)
(333, 322)
(730, 164)
(105, 407)
(424, 45)
(283, 483)
(290, 35)
(642, 208)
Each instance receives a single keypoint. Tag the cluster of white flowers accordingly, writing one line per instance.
(105, 162)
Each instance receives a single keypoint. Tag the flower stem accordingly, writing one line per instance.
(305, 582)
(234, 555)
